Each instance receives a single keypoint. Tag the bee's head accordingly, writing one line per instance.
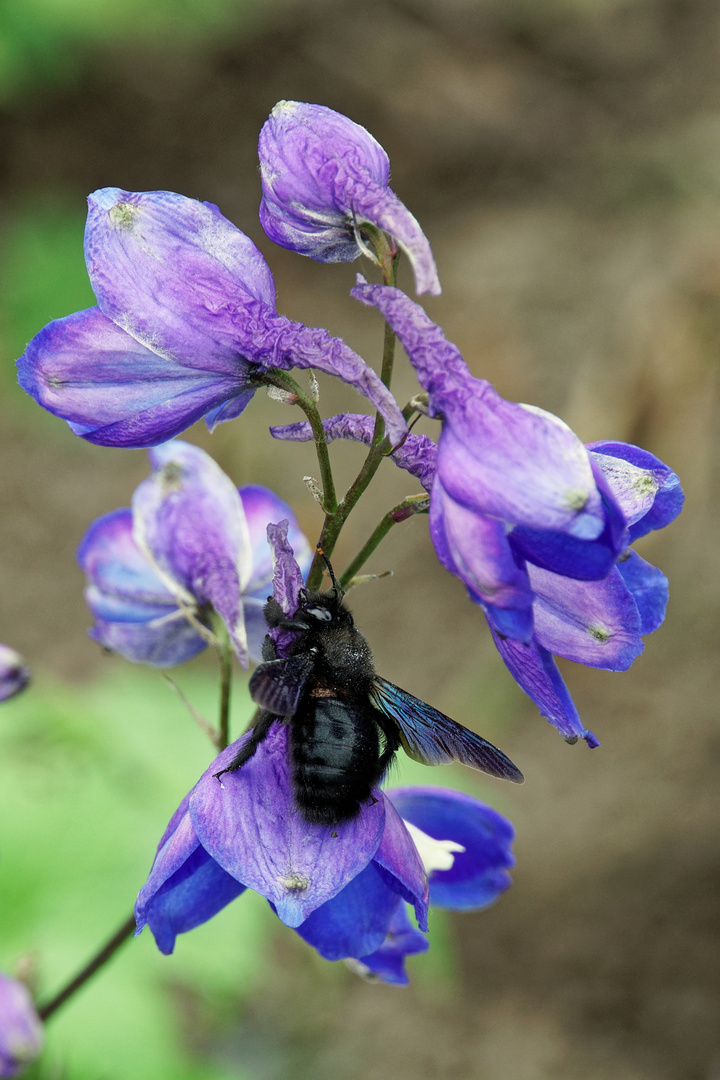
(318, 610)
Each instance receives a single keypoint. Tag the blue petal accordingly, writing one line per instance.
(535, 672)
(387, 964)
(479, 873)
(356, 921)
(649, 588)
(196, 892)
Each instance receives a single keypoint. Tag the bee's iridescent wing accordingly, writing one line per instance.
(432, 738)
(278, 685)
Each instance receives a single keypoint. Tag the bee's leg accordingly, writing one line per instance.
(392, 740)
(246, 751)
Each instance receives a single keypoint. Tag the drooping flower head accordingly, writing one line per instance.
(323, 178)
(21, 1032)
(341, 887)
(600, 623)
(191, 544)
(185, 327)
(14, 675)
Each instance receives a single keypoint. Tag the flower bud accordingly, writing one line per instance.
(21, 1032)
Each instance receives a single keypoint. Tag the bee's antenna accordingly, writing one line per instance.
(339, 591)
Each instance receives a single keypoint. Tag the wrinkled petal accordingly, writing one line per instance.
(21, 1030)
(251, 827)
(387, 964)
(475, 548)
(514, 462)
(649, 588)
(287, 582)
(535, 672)
(479, 873)
(356, 921)
(592, 622)
(648, 492)
(417, 454)
(115, 391)
(262, 507)
(188, 519)
(323, 177)
(14, 675)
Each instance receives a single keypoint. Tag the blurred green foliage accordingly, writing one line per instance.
(43, 41)
(88, 780)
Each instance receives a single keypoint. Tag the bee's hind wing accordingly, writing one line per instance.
(433, 738)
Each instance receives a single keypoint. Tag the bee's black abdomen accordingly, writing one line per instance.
(335, 759)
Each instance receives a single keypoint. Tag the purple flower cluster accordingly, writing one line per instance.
(537, 525)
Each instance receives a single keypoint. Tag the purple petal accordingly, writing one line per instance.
(513, 462)
(354, 922)
(649, 589)
(178, 843)
(591, 622)
(475, 549)
(535, 672)
(417, 454)
(387, 964)
(163, 642)
(287, 576)
(647, 490)
(21, 1031)
(250, 825)
(404, 870)
(262, 508)
(165, 268)
(196, 892)
(117, 568)
(114, 391)
(323, 176)
(273, 340)
(189, 518)
(14, 675)
(479, 873)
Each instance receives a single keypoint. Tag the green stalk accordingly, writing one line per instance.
(99, 960)
(226, 673)
(413, 504)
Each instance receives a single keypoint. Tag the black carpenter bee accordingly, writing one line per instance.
(347, 722)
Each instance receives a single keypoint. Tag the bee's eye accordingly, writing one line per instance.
(320, 613)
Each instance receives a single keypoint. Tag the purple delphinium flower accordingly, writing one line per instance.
(21, 1032)
(186, 325)
(192, 543)
(323, 178)
(600, 623)
(341, 887)
(14, 675)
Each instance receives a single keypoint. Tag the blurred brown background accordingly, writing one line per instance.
(563, 158)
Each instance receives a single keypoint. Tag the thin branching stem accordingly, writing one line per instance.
(99, 960)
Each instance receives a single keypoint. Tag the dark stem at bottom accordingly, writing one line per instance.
(126, 931)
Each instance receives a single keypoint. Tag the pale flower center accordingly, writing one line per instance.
(435, 854)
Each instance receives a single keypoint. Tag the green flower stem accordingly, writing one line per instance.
(101, 958)
(283, 381)
(226, 674)
(413, 504)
